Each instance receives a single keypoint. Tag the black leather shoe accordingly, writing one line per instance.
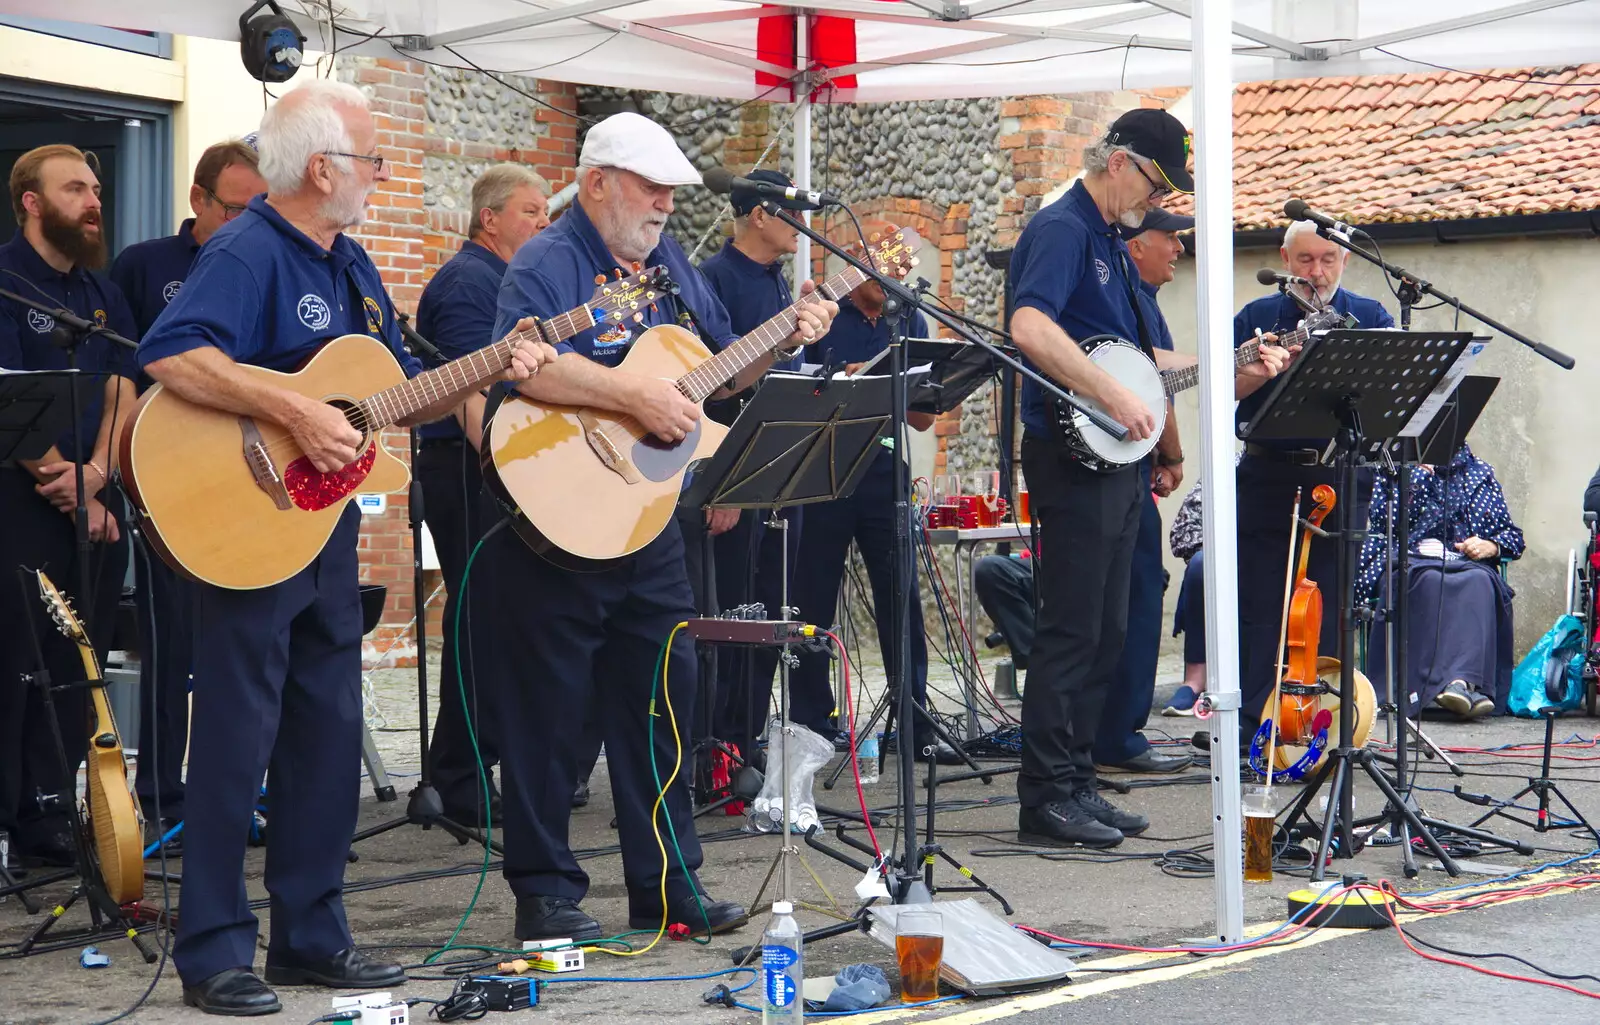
(234, 991)
(49, 843)
(155, 829)
(554, 918)
(580, 796)
(1064, 824)
(1150, 760)
(1101, 810)
(348, 969)
(723, 915)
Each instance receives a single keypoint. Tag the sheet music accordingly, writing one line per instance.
(1443, 390)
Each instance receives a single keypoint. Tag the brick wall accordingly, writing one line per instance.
(408, 242)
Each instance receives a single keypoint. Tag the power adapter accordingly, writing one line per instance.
(371, 1009)
(504, 992)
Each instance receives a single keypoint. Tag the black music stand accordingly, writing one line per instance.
(955, 371)
(35, 409)
(1356, 387)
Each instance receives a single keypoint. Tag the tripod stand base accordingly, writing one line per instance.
(426, 809)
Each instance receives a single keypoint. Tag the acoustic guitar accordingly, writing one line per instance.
(589, 486)
(114, 816)
(234, 502)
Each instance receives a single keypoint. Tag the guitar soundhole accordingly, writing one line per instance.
(311, 489)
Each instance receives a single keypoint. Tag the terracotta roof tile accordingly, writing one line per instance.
(1401, 148)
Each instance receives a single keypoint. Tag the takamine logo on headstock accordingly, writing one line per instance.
(895, 253)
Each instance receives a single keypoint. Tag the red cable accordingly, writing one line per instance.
(855, 765)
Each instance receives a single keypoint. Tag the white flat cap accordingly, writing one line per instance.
(635, 143)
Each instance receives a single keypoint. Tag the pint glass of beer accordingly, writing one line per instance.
(919, 946)
(1259, 817)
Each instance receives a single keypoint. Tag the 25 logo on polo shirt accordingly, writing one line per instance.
(169, 291)
(42, 323)
(1102, 271)
(314, 312)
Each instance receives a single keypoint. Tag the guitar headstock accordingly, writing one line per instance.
(625, 297)
(894, 253)
(66, 619)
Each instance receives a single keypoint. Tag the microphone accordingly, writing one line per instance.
(418, 345)
(724, 182)
(1297, 210)
(1272, 277)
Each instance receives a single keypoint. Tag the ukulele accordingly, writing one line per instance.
(114, 818)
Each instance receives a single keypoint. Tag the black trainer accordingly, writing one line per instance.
(554, 918)
(1064, 824)
(1125, 822)
(722, 915)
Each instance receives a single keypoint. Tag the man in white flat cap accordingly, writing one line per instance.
(591, 641)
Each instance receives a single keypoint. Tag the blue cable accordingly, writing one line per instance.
(661, 978)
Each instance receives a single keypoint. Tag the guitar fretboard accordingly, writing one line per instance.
(395, 404)
(730, 362)
(1184, 378)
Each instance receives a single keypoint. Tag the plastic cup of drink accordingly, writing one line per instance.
(1259, 815)
(919, 947)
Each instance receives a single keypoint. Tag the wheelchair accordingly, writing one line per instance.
(1583, 580)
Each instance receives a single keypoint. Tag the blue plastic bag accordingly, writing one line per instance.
(1551, 674)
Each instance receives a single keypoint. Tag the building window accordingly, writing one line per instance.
(154, 44)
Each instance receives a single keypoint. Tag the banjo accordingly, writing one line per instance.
(1137, 372)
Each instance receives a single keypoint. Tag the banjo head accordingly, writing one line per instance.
(1136, 372)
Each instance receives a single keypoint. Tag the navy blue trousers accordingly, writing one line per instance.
(865, 516)
(166, 631)
(586, 646)
(277, 692)
(1189, 618)
(1133, 682)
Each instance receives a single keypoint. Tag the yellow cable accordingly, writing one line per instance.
(661, 795)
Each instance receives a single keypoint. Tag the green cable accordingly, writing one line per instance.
(655, 772)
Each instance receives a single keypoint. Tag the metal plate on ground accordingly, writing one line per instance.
(983, 954)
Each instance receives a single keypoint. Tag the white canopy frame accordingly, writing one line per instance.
(914, 50)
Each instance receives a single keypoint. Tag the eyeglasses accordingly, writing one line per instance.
(229, 211)
(1157, 189)
(375, 161)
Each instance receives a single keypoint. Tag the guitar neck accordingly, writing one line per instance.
(395, 404)
(1184, 378)
(728, 364)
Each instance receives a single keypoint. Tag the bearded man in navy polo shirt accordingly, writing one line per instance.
(456, 314)
(150, 275)
(1269, 472)
(54, 259)
(278, 669)
(589, 643)
(1073, 279)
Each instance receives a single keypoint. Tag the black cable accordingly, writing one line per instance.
(1484, 76)
(1411, 933)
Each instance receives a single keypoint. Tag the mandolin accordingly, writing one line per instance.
(232, 501)
(113, 814)
(588, 486)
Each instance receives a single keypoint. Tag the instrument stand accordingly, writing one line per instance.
(798, 441)
(425, 807)
(106, 916)
(1343, 381)
(1541, 786)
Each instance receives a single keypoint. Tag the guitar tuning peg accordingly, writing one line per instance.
(873, 237)
(638, 318)
(618, 271)
(653, 308)
(637, 266)
(599, 279)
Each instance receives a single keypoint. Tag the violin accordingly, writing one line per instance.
(1298, 689)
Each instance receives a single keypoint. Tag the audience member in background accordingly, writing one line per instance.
(1591, 494)
(1460, 607)
(1189, 619)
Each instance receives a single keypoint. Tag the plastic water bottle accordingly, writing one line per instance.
(867, 758)
(782, 974)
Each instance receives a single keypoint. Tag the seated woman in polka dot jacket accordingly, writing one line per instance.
(1459, 603)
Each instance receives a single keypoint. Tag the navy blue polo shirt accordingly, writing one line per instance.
(151, 272)
(25, 333)
(1154, 320)
(556, 271)
(1074, 268)
(267, 295)
(752, 293)
(855, 339)
(1278, 313)
(457, 311)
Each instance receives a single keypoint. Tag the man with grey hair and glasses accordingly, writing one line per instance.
(277, 669)
(456, 314)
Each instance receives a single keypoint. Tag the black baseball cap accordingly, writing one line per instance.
(1157, 220)
(744, 202)
(1160, 138)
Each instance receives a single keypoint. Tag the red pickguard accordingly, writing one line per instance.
(311, 489)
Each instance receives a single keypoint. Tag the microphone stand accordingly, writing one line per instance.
(908, 886)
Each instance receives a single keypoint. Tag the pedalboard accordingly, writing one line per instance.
(748, 624)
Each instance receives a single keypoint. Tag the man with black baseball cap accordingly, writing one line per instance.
(1073, 279)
